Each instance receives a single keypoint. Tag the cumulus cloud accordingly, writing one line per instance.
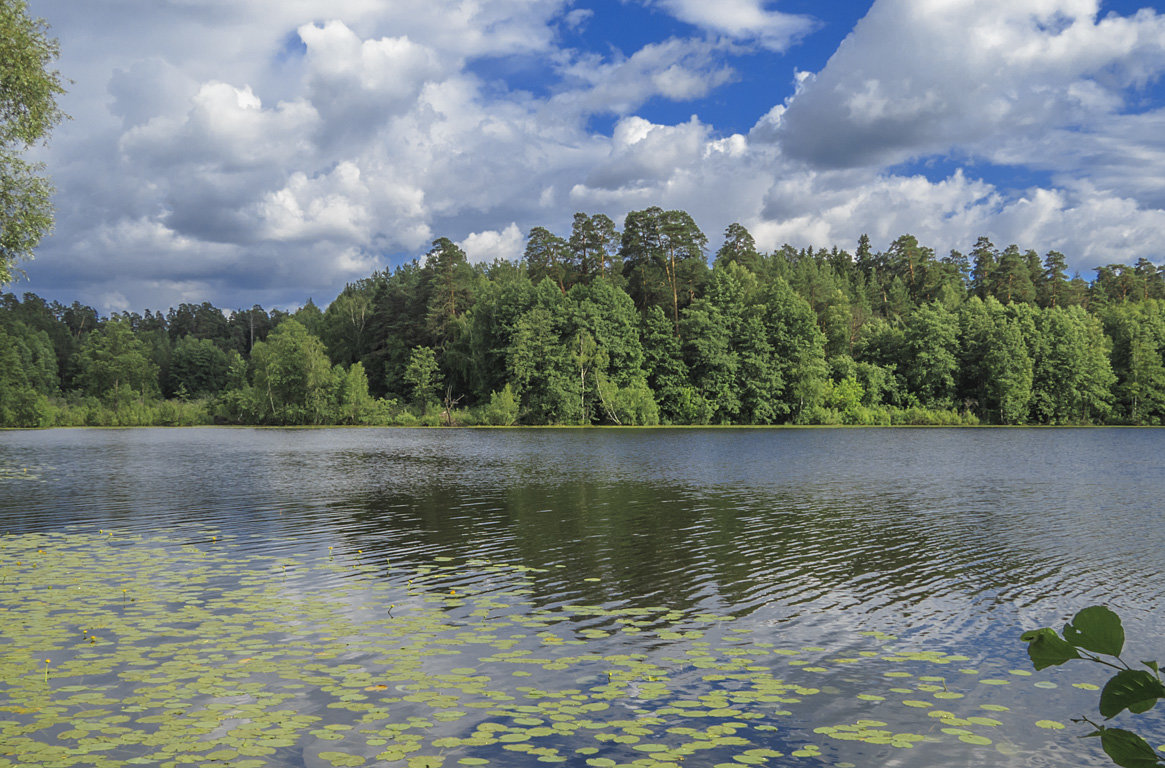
(920, 77)
(485, 247)
(1042, 84)
(1124, 154)
(322, 140)
(644, 154)
(329, 206)
(226, 126)
(358, 84)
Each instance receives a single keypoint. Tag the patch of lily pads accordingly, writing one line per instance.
(9, 473)
(129, 650)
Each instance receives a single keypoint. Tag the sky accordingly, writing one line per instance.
(270, 151)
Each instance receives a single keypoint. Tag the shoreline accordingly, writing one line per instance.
(595, 427)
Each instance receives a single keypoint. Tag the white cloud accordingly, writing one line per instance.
(675, 69)
(268, 150)
(358, 84)
(920, 77)
(490, 245)
(226, 126)
(577, 18)
(747, 20)
(324, 207)
(643, 153)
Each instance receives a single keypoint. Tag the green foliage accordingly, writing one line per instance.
(1127, 749)
(199, 367)
(1047, 649)
(798, 347)
(310, 316)
(1096, 629)
(932, 344)
(1138, 359)
(663, 259)
(541, 367)
(1133, 689)
(502, 410)
(1072, 377)
(354, 405)
(292, 377)
(421, 377)
(21, 404)
(606, 327)
(997, 367)
(1094, 633)
(114, 366)
(448, 280)
(548, 256)
(132, 412)
(28, 113)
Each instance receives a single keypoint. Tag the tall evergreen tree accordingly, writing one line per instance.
(739, 248)
(594, 246)
(663, 259)
(447, 282)
(1010, 280)
(547, 256)
(984, 257)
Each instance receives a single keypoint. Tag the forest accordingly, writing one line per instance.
(639, 327)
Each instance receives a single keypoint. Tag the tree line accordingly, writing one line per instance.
(639, 326)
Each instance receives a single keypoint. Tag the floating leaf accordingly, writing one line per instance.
(342, 759)
(975, 739)
(988, 721)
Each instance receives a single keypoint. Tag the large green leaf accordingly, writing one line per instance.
(1131, 689)
(1127, 749)
(1047, 649)
(1096, 629)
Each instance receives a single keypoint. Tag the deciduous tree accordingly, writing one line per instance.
(29, 88)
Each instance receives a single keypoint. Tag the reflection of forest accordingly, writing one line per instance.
(656, 544)
(873, 526)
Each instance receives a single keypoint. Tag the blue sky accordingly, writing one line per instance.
(242, 151)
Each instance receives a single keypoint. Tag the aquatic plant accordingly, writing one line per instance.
(225, 658)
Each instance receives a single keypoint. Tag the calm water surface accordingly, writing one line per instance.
(952, 540)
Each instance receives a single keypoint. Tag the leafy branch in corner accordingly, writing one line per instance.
(1095, 634)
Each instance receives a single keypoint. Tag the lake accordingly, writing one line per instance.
(596, 597)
